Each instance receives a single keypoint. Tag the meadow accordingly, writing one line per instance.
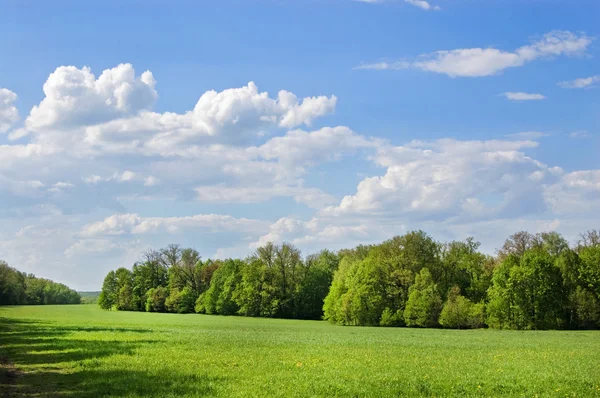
(83, 351)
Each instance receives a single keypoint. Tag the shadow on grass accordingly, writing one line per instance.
(46, 360)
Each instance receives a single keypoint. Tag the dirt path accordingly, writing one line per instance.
(8, 378)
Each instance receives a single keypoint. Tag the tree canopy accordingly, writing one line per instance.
(536, 281)
(20, 288)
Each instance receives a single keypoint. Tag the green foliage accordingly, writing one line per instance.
(18, 288)
(391, 318)
(377, 279)
(460, 313)
(527, 293)
(155, 299)
(181, 301)
(589, 275)
(586, 308)
(535, 282)
(314, 285)
(424, 302)
(219, 298)
(89, 297)
(13, 289)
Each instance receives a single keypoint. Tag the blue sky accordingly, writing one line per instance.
(459, 117)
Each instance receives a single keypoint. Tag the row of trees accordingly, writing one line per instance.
(534, 282)
(274, 282)
(20, 288)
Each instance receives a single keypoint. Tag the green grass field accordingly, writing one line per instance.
(82, 351)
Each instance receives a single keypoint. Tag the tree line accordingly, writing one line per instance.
(535, 281)
(20, 288)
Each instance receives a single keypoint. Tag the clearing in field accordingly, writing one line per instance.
(82, 351)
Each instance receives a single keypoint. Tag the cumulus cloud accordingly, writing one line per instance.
(134, 224)
(584, 82)
(9, 114)
(74, 97)
(477, 62)
(311, 197)
(520, 96)
(86, 127)
(125, 176)
(448, 178)
(452, 189)
(577, 192)
(304, 148)
(113, 114)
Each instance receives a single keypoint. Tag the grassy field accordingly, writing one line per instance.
(82, 351)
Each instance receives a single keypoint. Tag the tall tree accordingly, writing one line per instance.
(424, 302)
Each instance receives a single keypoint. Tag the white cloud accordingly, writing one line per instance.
(446, 178)
(422, 4)
(17, 134)
(577, 192)
(417, 3)
(528, 135)
(277, 231)
(88, 116)
(312, 197)
(383, 65)
(580, 134)
(20, 187)
(584, 82)
(304, 113)
(61, 186)
(303, 148)
(134, 224)
(74, 186)
(125, 176)
(520, 96)
(101, 246)
(8, 111)
(452, 189)
(477, 62)
(74, 97)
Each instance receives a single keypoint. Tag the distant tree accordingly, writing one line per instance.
(314, 283)
(12, 286)
(110, 289)
(536, 282)
(527, 293)
(586, 308)
(589, 273)
(184, 272)
(517, 244)
(253, 293)
(219, 298)
(181, 301)
(466, 268)
(424, 302)
(333, 308)
(156, 298)
(148, 274)
(373, 288)
(590, 238)
(460, 313)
